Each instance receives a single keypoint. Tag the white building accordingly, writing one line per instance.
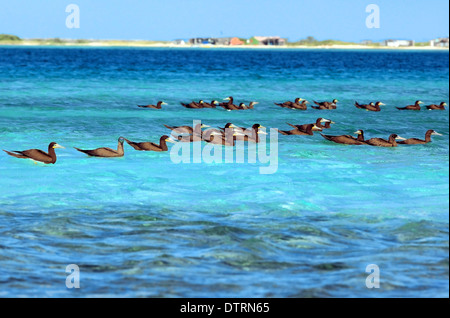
(399, 43)
(179, 42)
(439, 42)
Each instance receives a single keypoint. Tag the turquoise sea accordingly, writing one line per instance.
(144, 226)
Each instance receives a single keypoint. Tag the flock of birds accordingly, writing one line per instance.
(298, 103)
(230, 133)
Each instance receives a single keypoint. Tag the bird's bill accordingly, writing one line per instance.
(445, 104)
(382, 104)
(358, 132)
(227, 98)
(170, 140)
(164, 103)
(254, 103)
(216, 102)
(262, 132)
(201, 102)
(205, 126)
(261, 126)
(419, 102)
(400, 138)
(323, 120)
(306, 102)
(317, 128)
(58, 146)
(436, 133)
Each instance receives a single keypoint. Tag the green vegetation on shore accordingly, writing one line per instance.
(311, 41)
(9, 38)
(422, 44)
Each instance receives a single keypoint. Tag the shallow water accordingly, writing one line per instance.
(142, 225)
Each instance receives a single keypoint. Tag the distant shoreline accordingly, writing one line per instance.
(144, 44)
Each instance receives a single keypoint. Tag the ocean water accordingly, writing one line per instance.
(144, 226)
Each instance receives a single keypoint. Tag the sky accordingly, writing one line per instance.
(165, 20)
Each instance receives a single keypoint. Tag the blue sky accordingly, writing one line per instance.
(420, 20)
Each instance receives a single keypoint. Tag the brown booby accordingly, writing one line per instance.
(300, 106)
(230, 125)
(370, 107)
(106, 152)
(347, 139)
(157, 106)
(318, 125)
(437, 107)
(187, 129)
(229, 105)
(194, 104)
(150, 146)
(37, 154)
(290, 104)
(216, 137)
(380, 142)
(250, 106)
(416, 106)
(213, 104)
(244, 134)
(417, 141)
(307, 130)
(326, 105)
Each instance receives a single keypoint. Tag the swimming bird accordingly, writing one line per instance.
(229, 105)
(150, 146)
(157, 106)
(437, 107)
(380, 142)
(254, 137)
(194, 104)
(230, 125)
(327, 122)
(241, 106)
(216, 137)
(308, 130)
(37, 154)
(347, 139)
(300, 106)
(326, 105)
(237, 128)
(416, 106)
(318, 125)
(213, 104)
(416, 141)
(370, 107)
(250, 106)
(190, 138)
(106, 152)
(197, 130)
(289, 104)
(229, 99)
